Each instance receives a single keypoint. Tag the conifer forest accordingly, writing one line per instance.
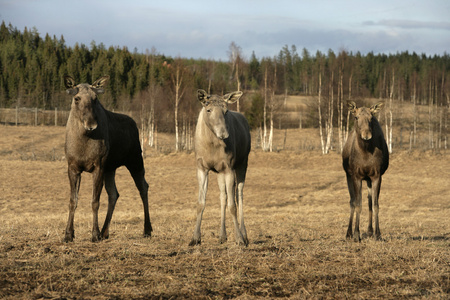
(159, 87)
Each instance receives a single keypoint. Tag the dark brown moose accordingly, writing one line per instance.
(99, 141)
(365, 157)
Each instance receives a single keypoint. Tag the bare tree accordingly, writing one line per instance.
(235, 55)
(322, 142)
(414, 133)
(177, 75)
(389, 124)
(272, 106)
(341, 107)
(330, 113)
(264, 144)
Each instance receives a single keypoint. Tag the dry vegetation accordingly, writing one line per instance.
(296, 205)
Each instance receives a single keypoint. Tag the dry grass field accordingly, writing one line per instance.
(296, 211)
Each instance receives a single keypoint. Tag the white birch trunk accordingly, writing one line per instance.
(329, 122)
(320, 114)
(263, 140)
(271, 132)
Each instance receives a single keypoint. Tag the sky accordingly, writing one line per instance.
(206, 29)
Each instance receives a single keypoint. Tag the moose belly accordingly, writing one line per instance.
(366, 171)
(212, 165)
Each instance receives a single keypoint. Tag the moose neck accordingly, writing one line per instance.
(205, 131)
(365, 145)
(76, 125)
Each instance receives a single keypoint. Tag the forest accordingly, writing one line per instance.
(162, 89)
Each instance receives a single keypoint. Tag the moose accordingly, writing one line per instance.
(365, 157)
(222, 145)
(99, 141)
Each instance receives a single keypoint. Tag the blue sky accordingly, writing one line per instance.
(205, 29)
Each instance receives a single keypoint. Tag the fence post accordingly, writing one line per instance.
(35, 116)
(56, 116)
(17, 115)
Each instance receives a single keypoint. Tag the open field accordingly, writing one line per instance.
(296, 210)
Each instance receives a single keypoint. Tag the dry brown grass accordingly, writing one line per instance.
(296, 206)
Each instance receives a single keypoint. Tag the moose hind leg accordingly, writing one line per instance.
(113, 195)
(97, 176)
(142, 186)
(240, 180)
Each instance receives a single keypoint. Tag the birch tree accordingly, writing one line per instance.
(322, 142)
(264, 139)
(235, 55)
(177, 76)
(389, 122)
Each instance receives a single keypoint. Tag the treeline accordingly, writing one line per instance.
(32, 69)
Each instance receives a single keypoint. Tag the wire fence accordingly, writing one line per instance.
(33, 116)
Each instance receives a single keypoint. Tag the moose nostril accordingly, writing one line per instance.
(366, 137)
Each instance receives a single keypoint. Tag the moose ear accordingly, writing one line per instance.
(351, 106)
(376, 108)
(70, 85)
(232, 97)
(99, 84)
(202, 96)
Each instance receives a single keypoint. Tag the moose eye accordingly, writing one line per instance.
(208, 110)
(77, 99)
(356, 118)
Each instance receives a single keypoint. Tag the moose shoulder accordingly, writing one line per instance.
(99, 141)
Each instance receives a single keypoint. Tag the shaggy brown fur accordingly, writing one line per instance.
(365, 157)
(99, 141)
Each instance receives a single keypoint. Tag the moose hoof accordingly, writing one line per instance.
(195, 242)
(148, 233)
(69, 237)
(104, 235)
(242, 243)
(96, 238)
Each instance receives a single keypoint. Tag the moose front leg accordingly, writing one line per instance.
(221, 180)
(202, 177)
(357, 184)
(230, 180)
(351, 191)
(97, 177)
(74, 180)
(369, 199)
(376, 196)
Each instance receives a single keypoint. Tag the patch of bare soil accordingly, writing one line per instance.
(296, 207)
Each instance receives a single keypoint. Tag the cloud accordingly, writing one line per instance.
(409, 24)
